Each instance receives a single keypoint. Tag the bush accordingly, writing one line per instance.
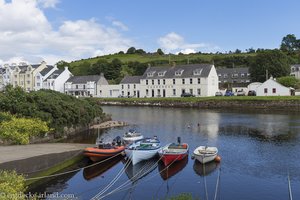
(12, 185)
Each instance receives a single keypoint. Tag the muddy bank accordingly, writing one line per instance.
(233, 104)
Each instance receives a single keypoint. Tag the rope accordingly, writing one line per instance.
(71, 171)
(290, 188)
(217, 184)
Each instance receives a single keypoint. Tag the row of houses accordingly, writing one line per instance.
(199, 80)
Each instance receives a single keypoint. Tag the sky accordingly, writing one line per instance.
(54, 30)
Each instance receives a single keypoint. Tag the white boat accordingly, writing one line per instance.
(205, 154)
(143, 149)
(132, 136)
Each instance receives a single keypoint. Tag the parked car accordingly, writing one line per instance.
(241, 93)
(251, 93)
(187, 95)
(218, 94)
(229, 93)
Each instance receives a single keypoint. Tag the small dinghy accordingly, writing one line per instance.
(143, 149)
(205, 154)
(104, 150)
(174, 152)
(132, 136)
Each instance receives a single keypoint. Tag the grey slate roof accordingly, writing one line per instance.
(55, 74)
(46, 70)
(188, 71)
(131, 79)
(84, 79)
(232, 70)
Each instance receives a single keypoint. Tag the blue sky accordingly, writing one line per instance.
(54, 30)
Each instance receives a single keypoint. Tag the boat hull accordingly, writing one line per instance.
(96, 154)
(137, 156)
(169, 155)
(132, 139)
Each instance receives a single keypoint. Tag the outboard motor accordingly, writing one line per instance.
(99, 143)
(118, 139)
(179, 140)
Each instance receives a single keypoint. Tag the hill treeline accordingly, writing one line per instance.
(135, 61)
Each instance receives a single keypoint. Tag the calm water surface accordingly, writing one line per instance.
(257, 150)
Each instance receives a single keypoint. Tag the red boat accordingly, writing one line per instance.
(104, 150)
(173, 152)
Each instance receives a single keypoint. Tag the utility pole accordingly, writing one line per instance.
(267, 75)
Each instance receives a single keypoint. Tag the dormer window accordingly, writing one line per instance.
(162, 73)
(179, 72)
(150, 74)
(197, 72)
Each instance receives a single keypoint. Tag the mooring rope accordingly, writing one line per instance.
(217, 184)
(290, 188)
(71, 171)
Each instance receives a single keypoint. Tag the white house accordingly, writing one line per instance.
(295, 71)
(106, 90)
(272, 88)
(57, 79)
(130, 86)
(41, 76)
(85, 85)
(198, 79)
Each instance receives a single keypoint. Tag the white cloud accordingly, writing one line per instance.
(26, 32)
(120, 25)
(175, 42)
(48, 3)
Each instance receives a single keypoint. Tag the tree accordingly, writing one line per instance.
(61, 64)
(273, 62)
(237, 51)
(131, 50)
(160, 52)
(289, 81)
(289, 43)
(140, 51)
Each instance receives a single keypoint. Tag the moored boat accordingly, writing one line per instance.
(132, 136)
(143, 149)
(205, 154)
(104, 150)
(173, 152)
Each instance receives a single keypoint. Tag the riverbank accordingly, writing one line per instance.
(109, 124)
(237, 102)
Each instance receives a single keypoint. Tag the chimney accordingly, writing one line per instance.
(101, 74)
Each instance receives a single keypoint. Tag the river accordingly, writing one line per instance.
(258, 150)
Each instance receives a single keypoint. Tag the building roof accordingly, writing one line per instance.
(232, 70)
(84, 79)
(182, 71)
(55, 74)
(46, 70)
(131, 79)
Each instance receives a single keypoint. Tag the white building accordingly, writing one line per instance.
(106, 90)
(198, 79)
(130, 86)
(56, 81)
(272, 88)
(295, 71)
(85, 85)
(41, 76)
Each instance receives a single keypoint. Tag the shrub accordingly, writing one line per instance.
(12, 185)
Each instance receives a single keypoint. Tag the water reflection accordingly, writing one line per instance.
(98, 169)
(205, 169)
(167, 172)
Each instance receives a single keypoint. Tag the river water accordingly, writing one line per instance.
(258, 150)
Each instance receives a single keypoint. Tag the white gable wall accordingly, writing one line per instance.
(272, 88)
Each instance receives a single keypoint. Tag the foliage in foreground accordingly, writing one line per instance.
(20, 130)
(183, 196)
(12, 185)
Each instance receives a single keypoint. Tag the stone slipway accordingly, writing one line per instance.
(35, 157)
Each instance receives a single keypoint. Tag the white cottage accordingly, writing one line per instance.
(199, 79)
(272, 88)
(43, 75)
(57, 79)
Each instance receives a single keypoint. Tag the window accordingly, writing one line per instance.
(150, 74)
(199, 91)
(191, 91)
(128, 86)
(22, 83)
(225, 75)
(28, 82)
(266, 90)
(16, 76)
(76, 86)
(199, 80)
(83, 86)
(146, 82)
(152, 82)
(122, 87)
(174, 81)
(158, 82)
(28, 75)
(16, 83)
(122, 93)
(242, 75)
(183, 81)
(235, 75)
(147, 92)
(179, 72)
(158, 92)
(164, 81)
(191, 81)
(182, 91)
(274, 90)
(134, 86)
(161, 73)
(197, 72)
(174, 92)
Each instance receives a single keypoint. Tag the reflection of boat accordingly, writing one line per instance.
(141, 169)
(132, 136)
(167, 172)
(143, 149)
(205, 154)
(204, 169)
(173, 152)
(98, 169)
(104, 150)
